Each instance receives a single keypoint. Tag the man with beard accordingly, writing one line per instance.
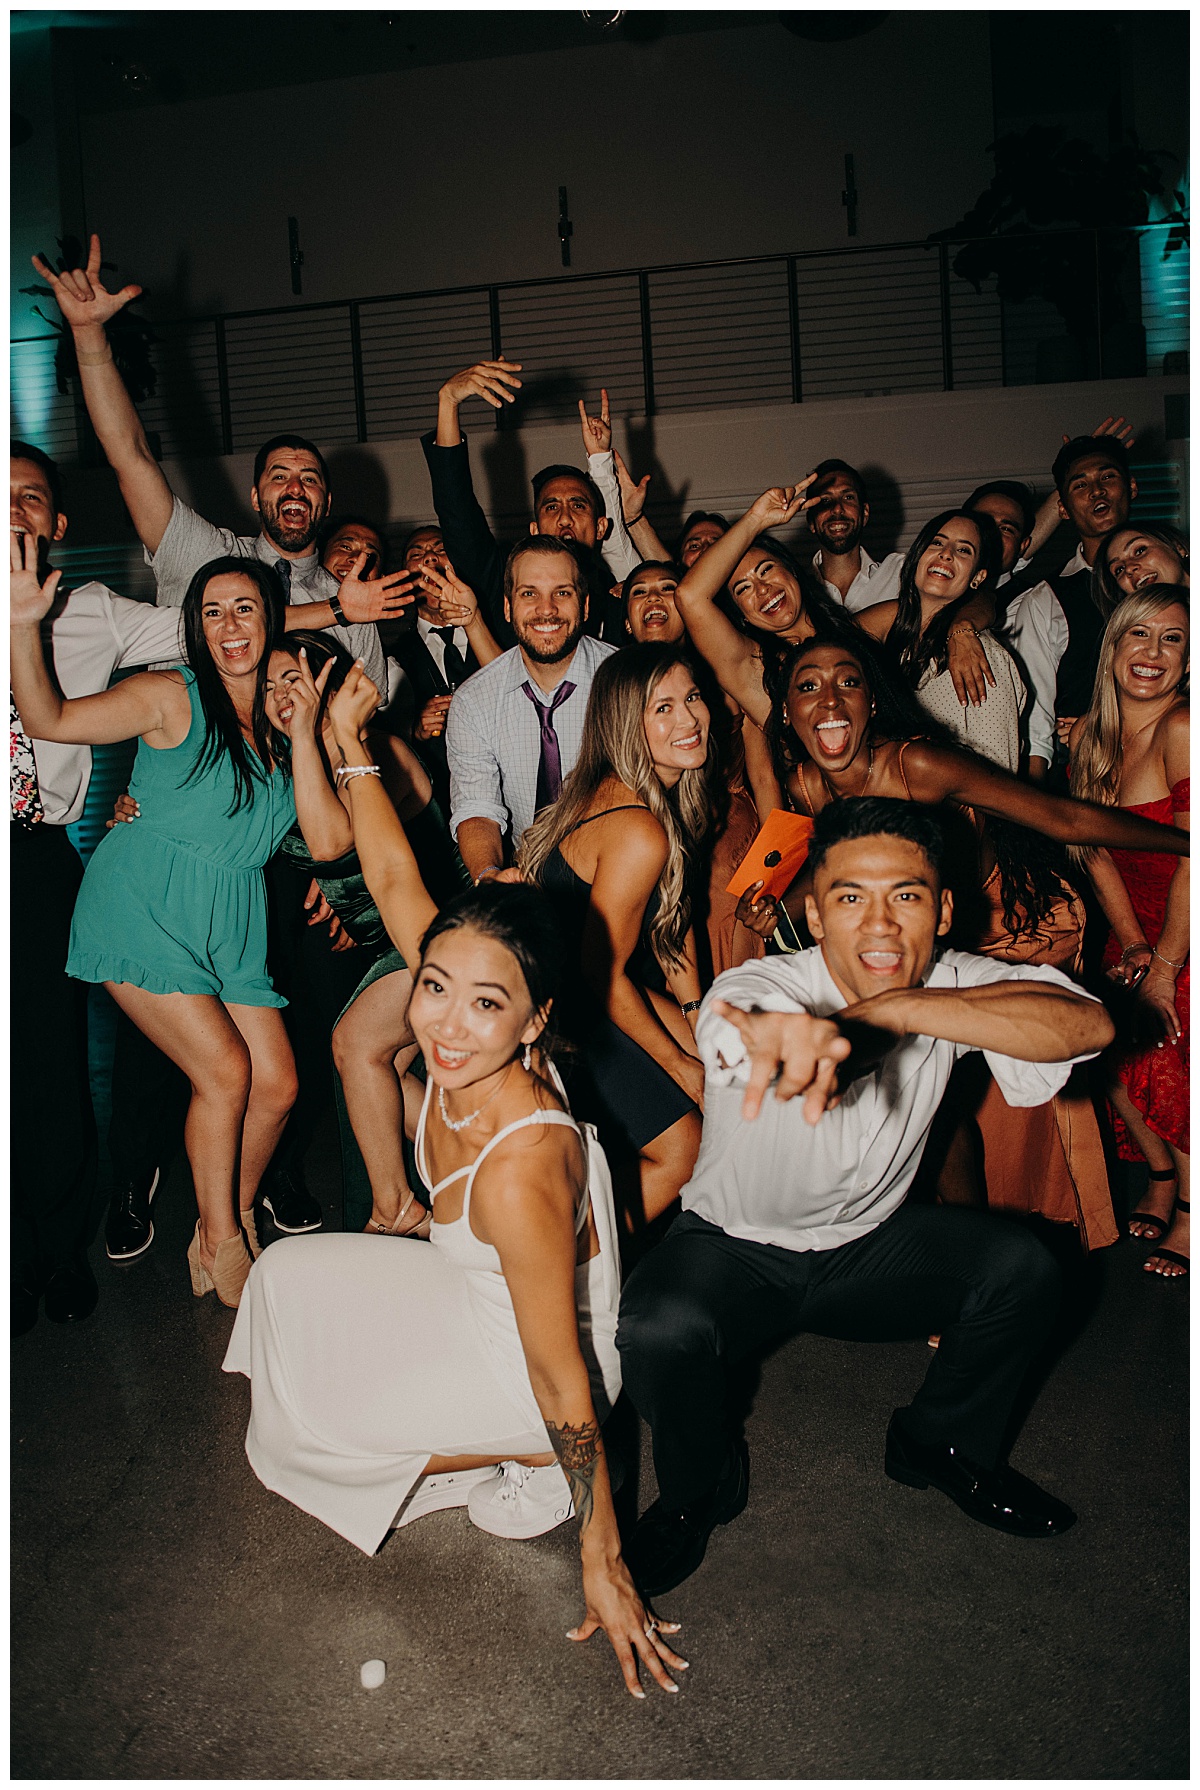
(290, 491)
(838, 520)
(514, 729)
(570, 505)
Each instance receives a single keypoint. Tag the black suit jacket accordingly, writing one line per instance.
(421, 669)
(478, 557)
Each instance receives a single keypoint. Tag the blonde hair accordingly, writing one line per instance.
(614, 745)
(1096, 760)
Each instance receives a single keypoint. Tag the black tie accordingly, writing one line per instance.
(284, 568)
(454, 666)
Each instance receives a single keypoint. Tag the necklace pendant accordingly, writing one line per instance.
(456, 1124)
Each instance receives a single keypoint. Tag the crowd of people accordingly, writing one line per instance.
(450, 846)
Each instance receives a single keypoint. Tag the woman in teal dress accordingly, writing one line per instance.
(171, 917)
(373, 1045)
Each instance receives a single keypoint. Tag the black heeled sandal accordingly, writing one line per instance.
(1163, 1224)
(1170, 1255)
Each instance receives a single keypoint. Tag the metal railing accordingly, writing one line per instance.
(857, 321)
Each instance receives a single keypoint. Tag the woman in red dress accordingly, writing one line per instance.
(1131, 751)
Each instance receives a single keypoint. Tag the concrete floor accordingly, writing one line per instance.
(173, 1619)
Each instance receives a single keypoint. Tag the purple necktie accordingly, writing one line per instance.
(549, 777)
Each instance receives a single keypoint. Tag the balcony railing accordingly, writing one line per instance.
(857, 321)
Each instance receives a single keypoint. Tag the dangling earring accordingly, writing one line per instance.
(527, 1059)
(785, 717)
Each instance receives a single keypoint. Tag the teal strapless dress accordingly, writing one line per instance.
(175, 903)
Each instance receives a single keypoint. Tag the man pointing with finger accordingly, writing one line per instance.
(823, 1074)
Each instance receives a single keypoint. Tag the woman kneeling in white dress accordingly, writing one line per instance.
(513, 1297)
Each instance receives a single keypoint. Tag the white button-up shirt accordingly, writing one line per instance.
(494, 743)
(95, 634)
(877, 581)
(189, 542)
(777, 1179)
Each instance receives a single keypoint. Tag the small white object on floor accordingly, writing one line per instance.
(373, 1674)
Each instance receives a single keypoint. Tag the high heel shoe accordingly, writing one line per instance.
(250, 1226)
(231, 1266)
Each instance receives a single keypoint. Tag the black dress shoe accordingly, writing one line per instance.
(22, 1308)
(667, 1546)
(998, 1496)
(292, 1207)
(71, 1292)
(129, 1231)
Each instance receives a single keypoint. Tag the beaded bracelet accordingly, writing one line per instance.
(344, 772)
(963, 628)
(1134, 950)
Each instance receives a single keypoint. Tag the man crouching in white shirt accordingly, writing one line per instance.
(823, 1074)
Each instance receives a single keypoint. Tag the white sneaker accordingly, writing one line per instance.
(526, 1501)
(443, 1491)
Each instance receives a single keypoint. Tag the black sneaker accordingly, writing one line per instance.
(292, 1207)
(667, 1546)
(129, 1232)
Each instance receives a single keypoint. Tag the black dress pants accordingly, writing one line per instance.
(53, 1132)
(702, 1302)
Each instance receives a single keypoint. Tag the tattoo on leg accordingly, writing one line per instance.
(577, 1446)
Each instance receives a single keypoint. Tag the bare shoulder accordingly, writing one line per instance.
(1174, 737)
(877, 620)
(541, 1160)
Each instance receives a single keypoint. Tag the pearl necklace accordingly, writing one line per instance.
(461, 1124)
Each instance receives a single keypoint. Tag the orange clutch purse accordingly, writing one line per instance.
(776, 856)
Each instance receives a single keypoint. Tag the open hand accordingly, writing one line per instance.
(805, 1051)
(28, 600)
(781, 503)
(456, 603)
(634, 1634)
(597, 430)
(82, 297)
(1158, 991)
(1112, 425)
(487, 379)
(969, 670)
(374, 599)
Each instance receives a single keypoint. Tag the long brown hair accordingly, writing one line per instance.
(614, 745)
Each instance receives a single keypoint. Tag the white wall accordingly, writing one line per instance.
(696, 147)
(918, 453)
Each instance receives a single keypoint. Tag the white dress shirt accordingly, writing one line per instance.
(95, 634)
(436, 646)
(877, 581)
(1036, 632)
(493, 741)
(189, 542)
(777, 1179)
(619, 553)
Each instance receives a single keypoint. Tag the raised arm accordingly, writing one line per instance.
(618, 551)
(633, 502)
(732, 655)
(1049, 515)
(458, 607)
(388, 865)
(324, 819)
(152, 704)
(87, 306)
(524, 1203)
(942, 774)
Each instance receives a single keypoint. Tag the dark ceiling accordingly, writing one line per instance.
(133, 59)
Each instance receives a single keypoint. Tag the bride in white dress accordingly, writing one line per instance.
(511, 1303)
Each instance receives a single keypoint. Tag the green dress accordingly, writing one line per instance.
(176, 904)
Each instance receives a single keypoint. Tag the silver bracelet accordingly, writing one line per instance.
(344, 772)
(485, 871)
(1170, 960)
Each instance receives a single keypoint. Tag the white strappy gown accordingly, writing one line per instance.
(366, 1355)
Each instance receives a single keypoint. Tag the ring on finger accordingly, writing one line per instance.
(651, 1625)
